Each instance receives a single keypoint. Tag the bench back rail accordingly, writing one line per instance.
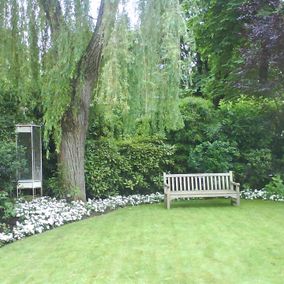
(199, 182)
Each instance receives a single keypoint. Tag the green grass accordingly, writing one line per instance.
(201, 241)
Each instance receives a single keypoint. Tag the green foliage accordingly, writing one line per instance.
(6, 206)
(254, 167)
(251, 124)
(58, 189)
(199, 125)
(9, 110)
(102, 168)
(140, 79)
(275, 186)
(209, 157)
(240, 135)
(126, 166)
(217, 32)
(248, 122)
(11, 160)
(199, 117)
(60, 65)
(9, 164)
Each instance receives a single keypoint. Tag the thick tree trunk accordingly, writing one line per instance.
(71, 162)
(74, 123)
(72, 152)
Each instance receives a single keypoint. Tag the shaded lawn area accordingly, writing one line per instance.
(200, 241)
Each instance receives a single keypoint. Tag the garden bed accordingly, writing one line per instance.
(45, 213)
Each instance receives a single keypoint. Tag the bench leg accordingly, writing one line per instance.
(168, 202)
(238, 201)
(235, 201)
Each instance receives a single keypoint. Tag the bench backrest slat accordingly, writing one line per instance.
(208, 183)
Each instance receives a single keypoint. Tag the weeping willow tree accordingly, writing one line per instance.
(141, 76)
(52, 53)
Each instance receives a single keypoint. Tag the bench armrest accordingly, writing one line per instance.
(236, 186)
(166, 188)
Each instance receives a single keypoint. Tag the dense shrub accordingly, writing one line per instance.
(247, 121)
(243, 135)
(212, 157)
(256, 167)
(103, 164)
(11, 160)
(275, 186)
(126, 166)
(199, 126)
(252, 124)
(6, 206)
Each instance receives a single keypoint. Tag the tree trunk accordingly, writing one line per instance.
(75, 120)
(71, 162)
(72, 151)
(74, 123)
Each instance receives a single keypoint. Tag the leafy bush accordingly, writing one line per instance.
(102, 168)
(199, 126)
(275, 186)
(11, 160)
(126, 166)
(212, 157)
(9, 164)
(56, 187)
(247, 122)
(6, 206)
(255, 167)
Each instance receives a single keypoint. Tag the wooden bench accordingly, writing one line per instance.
(200, 185)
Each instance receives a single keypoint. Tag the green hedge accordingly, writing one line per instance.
(126, 167)
(9, 164)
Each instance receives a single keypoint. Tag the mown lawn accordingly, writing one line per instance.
(201, 241)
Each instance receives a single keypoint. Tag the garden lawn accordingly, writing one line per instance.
(200, 241)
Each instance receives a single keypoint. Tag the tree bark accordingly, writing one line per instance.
(72, 150)
(74, 123)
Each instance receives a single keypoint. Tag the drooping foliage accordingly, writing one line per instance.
(60, 62)
(140, 81)
(29, 67)
(53, 53)
(140, 78)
